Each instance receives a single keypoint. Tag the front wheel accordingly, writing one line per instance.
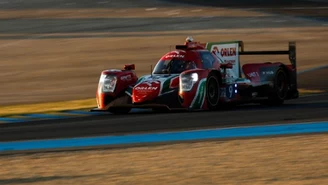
(212, 92)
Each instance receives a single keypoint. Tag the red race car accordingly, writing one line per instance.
(200, 76)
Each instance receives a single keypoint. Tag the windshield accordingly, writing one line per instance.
(173, 66)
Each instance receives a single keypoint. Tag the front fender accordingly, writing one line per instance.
(125, 78)
(195, 97)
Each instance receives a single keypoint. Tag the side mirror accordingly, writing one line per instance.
(129, 67)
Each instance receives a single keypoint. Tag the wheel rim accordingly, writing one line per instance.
(213, 92)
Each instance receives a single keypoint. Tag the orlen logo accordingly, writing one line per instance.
(226, 52)
(215, 50)
(146, 88)
(174, 56)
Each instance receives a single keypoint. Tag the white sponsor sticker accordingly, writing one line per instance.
(228, 53)
(146, 88)
(126, 77)
(174, 56)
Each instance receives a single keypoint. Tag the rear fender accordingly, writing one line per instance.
(193, 98)
(262, 72)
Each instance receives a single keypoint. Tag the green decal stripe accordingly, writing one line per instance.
(204, 94)
(200, 94)
(140, 79)
(166, 84)
(129, 91)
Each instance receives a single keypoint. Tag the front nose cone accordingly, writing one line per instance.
(146, 91)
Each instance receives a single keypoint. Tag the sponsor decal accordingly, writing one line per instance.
(174, 56)
(146, 88)
(253, 74)
(126, 77)
(215, 51)
(162, 82)
(267, 72)
(225, 52)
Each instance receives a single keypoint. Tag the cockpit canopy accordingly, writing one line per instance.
(173, 66)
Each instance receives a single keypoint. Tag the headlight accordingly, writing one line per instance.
(187, 81)
(107, 83)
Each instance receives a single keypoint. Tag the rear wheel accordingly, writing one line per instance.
(212, 92)
(280, 88)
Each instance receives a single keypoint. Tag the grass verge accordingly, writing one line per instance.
(76, 105)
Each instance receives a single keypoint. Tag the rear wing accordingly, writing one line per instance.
(291, 52)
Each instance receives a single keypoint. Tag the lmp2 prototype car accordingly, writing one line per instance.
(200, 76)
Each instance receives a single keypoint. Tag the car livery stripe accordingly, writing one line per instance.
(141, 79)
(129, 91)
(130, 88)
(204, 96)
(166, 84)
(200, 95)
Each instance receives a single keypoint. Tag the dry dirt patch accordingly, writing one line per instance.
(284, 160)
(42, 70)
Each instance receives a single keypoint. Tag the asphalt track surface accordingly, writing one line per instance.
(101, 25)
(61, 4)
(311, 108)
(303, 109)
(278, 19)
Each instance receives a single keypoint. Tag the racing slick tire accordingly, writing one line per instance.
(120, 110)
(212, 92)
(280, 88)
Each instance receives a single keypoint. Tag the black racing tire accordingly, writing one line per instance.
(212, 92)
(119, 110)
(280, 88)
